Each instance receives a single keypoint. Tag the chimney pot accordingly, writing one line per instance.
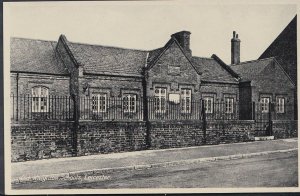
(235, 49)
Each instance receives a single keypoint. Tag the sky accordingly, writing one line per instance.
(148, 25)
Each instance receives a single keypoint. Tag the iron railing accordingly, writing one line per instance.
(164, 110)
(27, 107)
(265, 114)
(112, 108)
(190, 110)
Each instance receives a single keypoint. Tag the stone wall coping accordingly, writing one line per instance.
(231, 121)
(39, 122)
(109, 121)
(176, 122)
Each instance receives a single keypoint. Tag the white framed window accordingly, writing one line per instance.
(280, 103)
(129, 103)
(208, 104)
(160, 95)
(40, 102)
(264, 101)
(186, 96)
(99, 102)
(229, 105)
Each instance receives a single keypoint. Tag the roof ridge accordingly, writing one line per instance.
(33, 39)
(233, 65)
(117, 47)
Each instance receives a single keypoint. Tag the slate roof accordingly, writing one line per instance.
(28, 55)
(99, 59)
(211, 70)
(40, 57)
(154, 54)
(250, 69)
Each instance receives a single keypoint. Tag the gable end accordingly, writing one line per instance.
(166, 47)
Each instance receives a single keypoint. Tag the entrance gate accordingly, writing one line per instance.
(263, 119)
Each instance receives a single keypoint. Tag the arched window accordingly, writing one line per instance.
(40, 102)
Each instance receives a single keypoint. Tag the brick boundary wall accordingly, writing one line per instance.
(52, 139)
(40, 140)
(172, 134)
(230, 131)
(106, 137)
(285, 128)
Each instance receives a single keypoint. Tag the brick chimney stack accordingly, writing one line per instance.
(235, 49)
(183, 37)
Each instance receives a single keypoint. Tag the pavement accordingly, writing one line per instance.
(50, 169)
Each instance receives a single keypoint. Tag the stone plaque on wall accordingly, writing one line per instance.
(173, 70)
(174, 97)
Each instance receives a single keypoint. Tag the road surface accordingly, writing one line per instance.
(272, 170)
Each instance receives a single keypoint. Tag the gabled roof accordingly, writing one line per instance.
(250, 69)
(98, 59)
(40, 57)
(35, 56)
(157, 53)
(211, 70)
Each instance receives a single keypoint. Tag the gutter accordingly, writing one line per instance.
(113, 75)
(29, 72)
(218, 82)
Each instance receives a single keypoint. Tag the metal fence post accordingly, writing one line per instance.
(17, 78)
(270, 118)
(203, 114)
(253, 111)
(76, 108)
(146, 101)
